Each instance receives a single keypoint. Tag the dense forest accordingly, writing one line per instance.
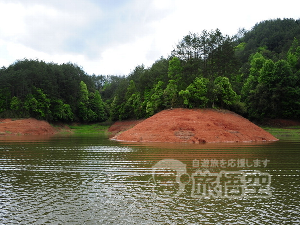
(255, 73)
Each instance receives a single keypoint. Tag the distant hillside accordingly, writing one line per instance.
(275, 36)
(255, 73)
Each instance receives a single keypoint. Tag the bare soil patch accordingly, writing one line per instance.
(25, 127)
(194, 126)
(121, 126)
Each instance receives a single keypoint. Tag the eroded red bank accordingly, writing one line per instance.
(194, 126)
(25, 127)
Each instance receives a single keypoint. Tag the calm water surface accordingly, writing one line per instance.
(92, 180)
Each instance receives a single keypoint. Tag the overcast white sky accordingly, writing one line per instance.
(114, 36)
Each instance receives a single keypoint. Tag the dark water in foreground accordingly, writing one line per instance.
(91, 180)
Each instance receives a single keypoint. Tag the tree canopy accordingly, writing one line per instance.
(255, 73)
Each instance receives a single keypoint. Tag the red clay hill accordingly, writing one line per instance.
(25, 127)
(194, 126)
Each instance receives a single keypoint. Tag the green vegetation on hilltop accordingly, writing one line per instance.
(32, 88)
(255, 73)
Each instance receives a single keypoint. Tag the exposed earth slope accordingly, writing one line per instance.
(195, 126)
(25, 127)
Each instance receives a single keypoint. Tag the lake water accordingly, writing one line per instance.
(89, 179)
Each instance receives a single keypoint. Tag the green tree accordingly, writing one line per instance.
(15, 104)
(195, 95)
(97, 106)
(170, 95)
(224, 94)
(149, 77)
(283, 75)
(190, 47)
(155, 104)
(4, 99)
(274, 93)
(257, 62)
(61, 111)
(36, 105)
(31, 105)
(266, 74)
(84, 112)
(282, 88)
(175, 70)
(133, 108)
(43, 104)
(258, 105)
(116, 102)
(136, 105)
(115, 109)
(293, 55)
(223, 59)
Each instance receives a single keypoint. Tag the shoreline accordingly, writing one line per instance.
(276, 127)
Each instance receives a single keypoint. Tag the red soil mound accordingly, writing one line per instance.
(195, 126)
(25, 127)
(121, 126)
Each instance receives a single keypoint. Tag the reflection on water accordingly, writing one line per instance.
(92, 180)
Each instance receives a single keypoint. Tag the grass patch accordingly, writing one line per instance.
(89, 129)
(282, 133)
(294, 127)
